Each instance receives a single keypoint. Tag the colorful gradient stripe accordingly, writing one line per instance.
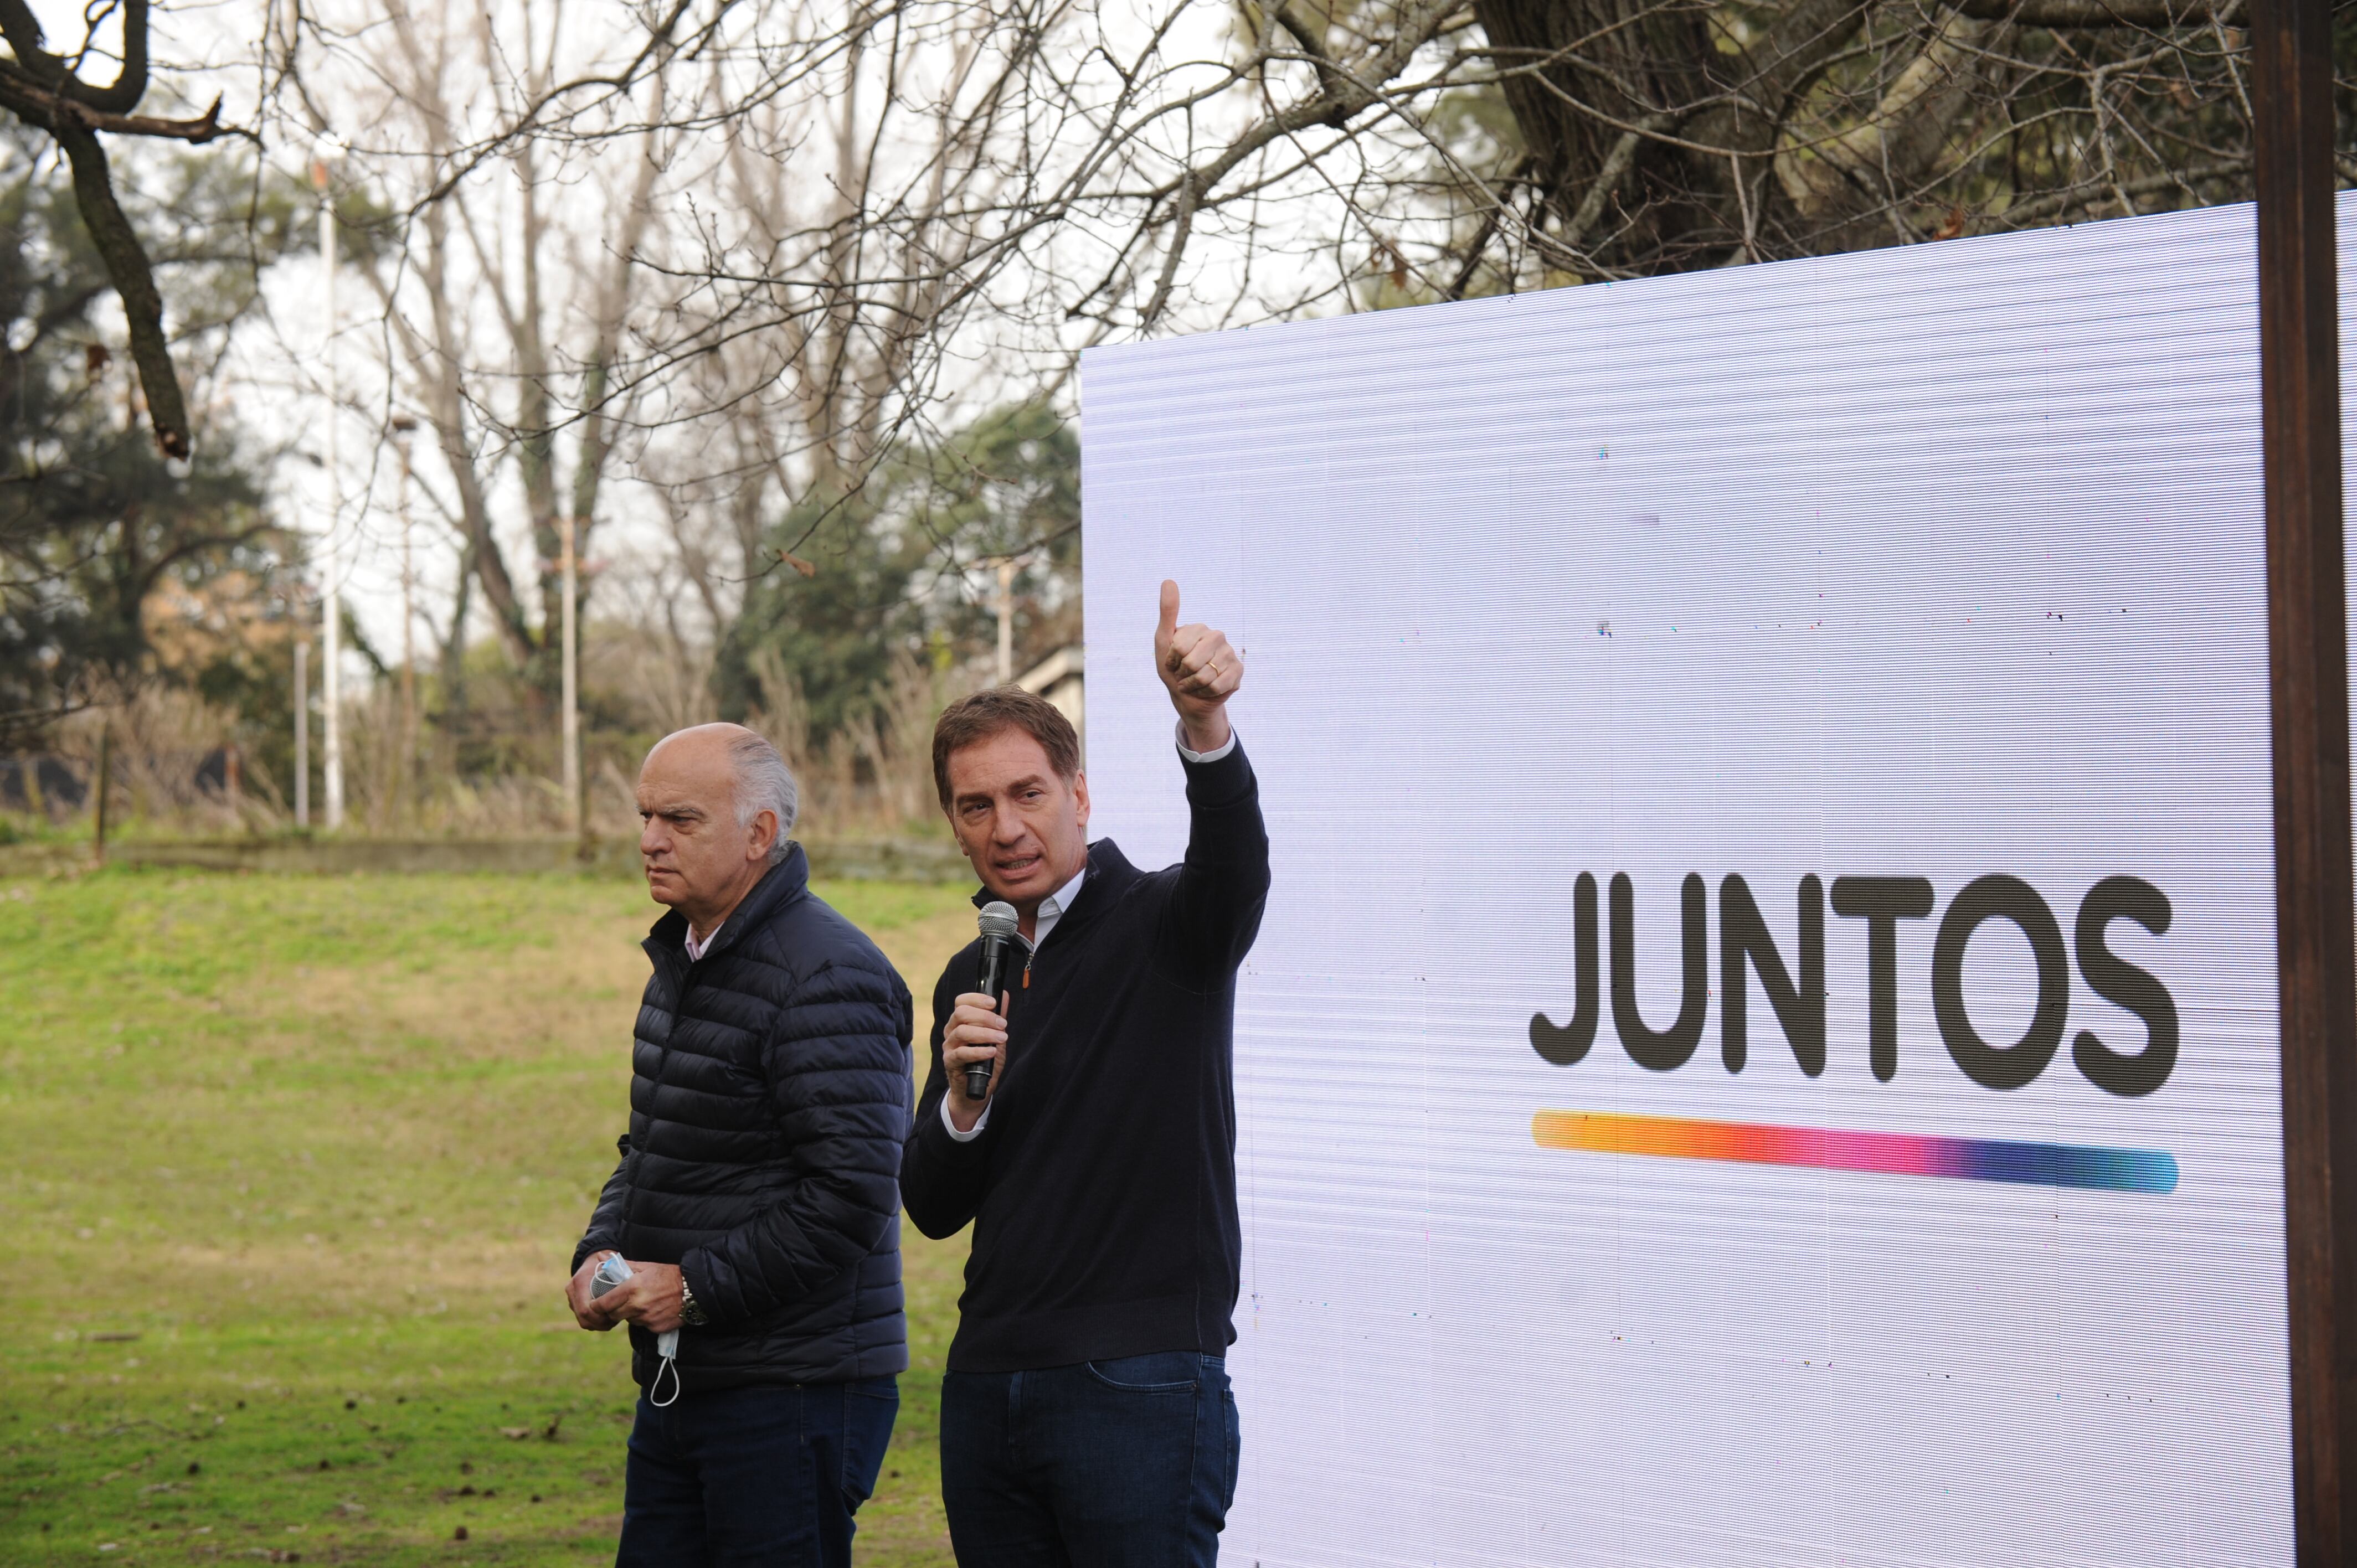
(1894, 1154)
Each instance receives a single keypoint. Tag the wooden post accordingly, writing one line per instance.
(2316, 933)
(302, 732)
(98, 797)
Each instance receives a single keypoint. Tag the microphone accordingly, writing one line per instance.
(998, 931)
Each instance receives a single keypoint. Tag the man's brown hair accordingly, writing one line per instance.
(972, 720)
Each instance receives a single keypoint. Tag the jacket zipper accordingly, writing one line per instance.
(679, 1005)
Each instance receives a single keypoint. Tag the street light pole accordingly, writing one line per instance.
(572, 678)
(332, 601)
(406, 773)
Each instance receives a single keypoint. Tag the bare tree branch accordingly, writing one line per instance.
(40, 90)
(2150, 15)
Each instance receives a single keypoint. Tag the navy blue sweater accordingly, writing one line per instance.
(1103, 1190)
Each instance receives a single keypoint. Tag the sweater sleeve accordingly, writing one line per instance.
(1223, 885)
(941, 1178)
(838, 1084)
(605, 1232)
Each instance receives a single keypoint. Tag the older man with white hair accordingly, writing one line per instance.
(755, 1206)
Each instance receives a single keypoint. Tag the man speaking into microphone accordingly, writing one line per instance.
(1085, 1415)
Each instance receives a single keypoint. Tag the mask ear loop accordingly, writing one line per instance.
(672, 1366)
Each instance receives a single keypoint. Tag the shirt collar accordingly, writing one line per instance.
(696, 949)
(1056, 905)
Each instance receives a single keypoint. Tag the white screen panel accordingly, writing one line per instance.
(1941, 562)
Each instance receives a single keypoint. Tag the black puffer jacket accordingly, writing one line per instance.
(769, 1101)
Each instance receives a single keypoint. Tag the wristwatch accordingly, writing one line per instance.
(690, 1313)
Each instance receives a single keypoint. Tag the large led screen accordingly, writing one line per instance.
(1763, 1048)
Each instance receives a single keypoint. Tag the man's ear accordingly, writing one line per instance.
(761, 838)
(1080, 797)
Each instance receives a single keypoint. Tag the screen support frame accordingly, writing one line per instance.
(2316, 931)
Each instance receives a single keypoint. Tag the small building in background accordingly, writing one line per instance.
(1059, 678)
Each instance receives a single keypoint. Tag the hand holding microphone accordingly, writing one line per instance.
(975, 1040)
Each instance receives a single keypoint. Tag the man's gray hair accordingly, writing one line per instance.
(764, 783)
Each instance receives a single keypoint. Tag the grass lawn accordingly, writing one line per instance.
(294, 1168)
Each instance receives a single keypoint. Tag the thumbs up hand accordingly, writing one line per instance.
(1200, 671)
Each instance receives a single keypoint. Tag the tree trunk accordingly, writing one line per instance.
(1660, 145)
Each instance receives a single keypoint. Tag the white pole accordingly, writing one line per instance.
(572, 664)
(405, 775)
(1006, 619)
(333, 606)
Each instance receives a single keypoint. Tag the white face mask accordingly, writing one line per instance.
(613, 1272)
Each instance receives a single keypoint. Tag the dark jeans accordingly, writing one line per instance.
(1122, 1463)
(766, 1476)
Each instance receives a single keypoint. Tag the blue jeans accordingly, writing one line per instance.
(754, 1476)
(1120, 1464)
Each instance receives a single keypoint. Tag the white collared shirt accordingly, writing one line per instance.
(1052, 908)
(696, 949)
(1224, 747)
